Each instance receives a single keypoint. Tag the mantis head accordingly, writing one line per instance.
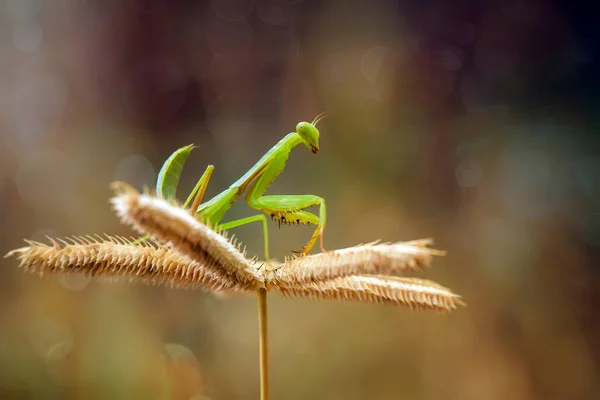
(309, 133)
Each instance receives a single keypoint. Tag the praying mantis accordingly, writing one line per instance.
(285, 209)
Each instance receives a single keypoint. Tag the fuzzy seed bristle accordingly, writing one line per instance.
(371, 258)
(169, 223)
(410, 292)
(110, 258)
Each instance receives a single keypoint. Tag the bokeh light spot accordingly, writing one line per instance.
(180, 353)
(50, 337)
(59, 351)
(73, 281)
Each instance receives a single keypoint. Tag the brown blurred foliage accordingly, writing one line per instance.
(466, 121)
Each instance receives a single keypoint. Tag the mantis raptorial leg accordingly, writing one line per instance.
(198, 193)
(286, 209)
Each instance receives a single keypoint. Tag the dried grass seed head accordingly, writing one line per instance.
(115, 257)
(372, 258)
(410, 292)
(167, 222)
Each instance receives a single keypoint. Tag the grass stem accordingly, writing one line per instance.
(264, 349)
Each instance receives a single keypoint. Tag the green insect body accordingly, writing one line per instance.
(285, 209)
(169, 174)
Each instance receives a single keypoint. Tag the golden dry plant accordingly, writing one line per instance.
(184, 252)
(187, 253)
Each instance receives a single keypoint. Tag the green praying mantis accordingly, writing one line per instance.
(285, 209)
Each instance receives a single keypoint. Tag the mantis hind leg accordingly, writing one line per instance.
(289, 209)
(247, 220)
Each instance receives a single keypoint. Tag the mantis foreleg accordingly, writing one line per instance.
(289, 209)
(200, 188)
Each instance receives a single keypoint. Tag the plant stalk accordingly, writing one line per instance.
(263, 339)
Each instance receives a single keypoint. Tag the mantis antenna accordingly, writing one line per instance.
(319, 118)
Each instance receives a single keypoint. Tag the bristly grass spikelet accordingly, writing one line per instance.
(371, 258)
(166, 222)
(115, 257)
(411, 292)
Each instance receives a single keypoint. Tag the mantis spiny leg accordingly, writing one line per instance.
(289, 209)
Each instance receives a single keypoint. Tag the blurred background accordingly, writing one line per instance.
(471, 121)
